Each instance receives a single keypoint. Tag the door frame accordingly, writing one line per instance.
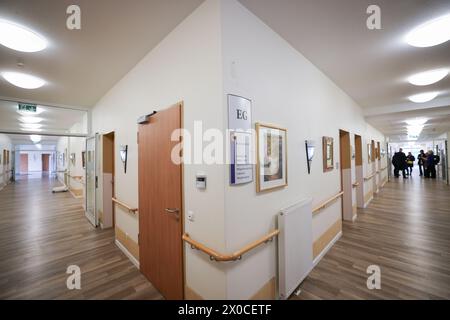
(95, 221)
(346, 181)
(101, 175)
(182, 206)
(359, 170)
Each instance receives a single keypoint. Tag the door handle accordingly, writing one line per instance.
(174, 211)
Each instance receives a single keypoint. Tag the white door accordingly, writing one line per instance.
(91, 180)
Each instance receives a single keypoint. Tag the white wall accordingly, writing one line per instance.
(222, 48)
(185, 66)
(5, 144)
(286, 90)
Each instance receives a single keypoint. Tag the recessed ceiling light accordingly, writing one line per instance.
(23, 80)
(31, 126)
(30, 119)
(423, 97)
(431, 33)
(416, 121)
(415, 130)
(31, 130)
(428, 77)
(20, 38)
(35, 138)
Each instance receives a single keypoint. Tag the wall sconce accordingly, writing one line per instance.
(383, 152)
(72, 158)
(353, 152)
(124, 156)
(310, 147)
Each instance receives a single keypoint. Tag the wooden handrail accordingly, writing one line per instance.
(382, 169)
(355, 184)
(122, 204)
(370, 177)
(216, 256)
(326, 203)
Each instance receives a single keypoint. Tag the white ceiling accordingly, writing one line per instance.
(393, 124)
(54, 120)
(82, 65)
(18, 139)
(370, 65)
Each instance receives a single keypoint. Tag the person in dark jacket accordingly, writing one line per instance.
(399, 162)
(410, 163)
(420, 161)
(432, 161)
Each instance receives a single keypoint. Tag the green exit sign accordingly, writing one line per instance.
(27, 107)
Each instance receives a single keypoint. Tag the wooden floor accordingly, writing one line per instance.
(41, 234)
(406, 232)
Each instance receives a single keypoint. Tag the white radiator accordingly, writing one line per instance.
(295, 256)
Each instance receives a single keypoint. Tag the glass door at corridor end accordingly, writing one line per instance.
(91, 180)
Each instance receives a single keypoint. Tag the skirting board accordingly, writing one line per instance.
(190, 294)
(327, 248)
(76, 193)
(127, 253)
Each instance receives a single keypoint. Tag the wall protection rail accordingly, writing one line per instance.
(216, 256)
(124, 205)
(325, 204)
(370, 177)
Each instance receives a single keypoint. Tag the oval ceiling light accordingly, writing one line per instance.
(30, 120)
(35, 138)
(416, 121)
(423, 97)
(431, 33)
(20, 38)
(23, 80)
(31, 130)
(31, 126)
(428, 77)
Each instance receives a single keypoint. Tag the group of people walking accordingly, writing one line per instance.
(426, 161)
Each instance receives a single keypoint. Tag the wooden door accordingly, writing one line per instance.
(24, 162)
(45, 162)
(160, 204)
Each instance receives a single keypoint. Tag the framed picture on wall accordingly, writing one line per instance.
(271, 163)
(369, 153)
(328, 156)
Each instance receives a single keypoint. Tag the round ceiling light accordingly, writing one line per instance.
(35, 138)
(431, 33)
(20, 38)
(23, 80)
(423, 97)
(31, 126)
(30, 120)
(428, 77)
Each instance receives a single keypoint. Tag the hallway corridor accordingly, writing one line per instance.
(41, 234)
(406, 232)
